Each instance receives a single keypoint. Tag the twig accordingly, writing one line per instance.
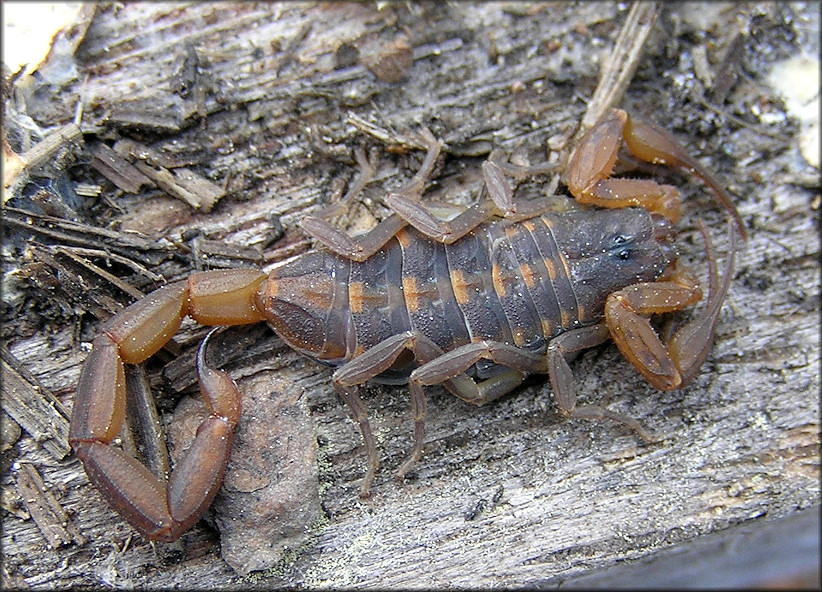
(34, 407)
(42, 153)
(621, 67)
(142, 412)
(128, 244)
(385, 136)
(46, 511)
(78, 254)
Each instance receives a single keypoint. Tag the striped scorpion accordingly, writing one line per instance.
(505, 289)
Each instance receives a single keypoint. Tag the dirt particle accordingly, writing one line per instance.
(394, 62)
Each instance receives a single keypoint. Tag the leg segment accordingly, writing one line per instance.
(452, 366)
(409, 211)
(339, 242)
(435, 367)
(592, 164)
(362, 247)
(433, 149)
(501, 194)
(449, 369)
(418, 216)
(157, 511)
(562, 350)
(357, 248)
(376, 360)
(501, 204)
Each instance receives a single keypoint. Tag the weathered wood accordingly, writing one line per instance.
(117, 169)
(45, 510)
(34, 407)
(256, 98)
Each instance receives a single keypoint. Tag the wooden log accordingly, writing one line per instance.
(259, 99)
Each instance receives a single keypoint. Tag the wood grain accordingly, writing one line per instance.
(505, 495)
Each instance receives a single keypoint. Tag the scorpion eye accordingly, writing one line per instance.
(620, 240)
(621, 247)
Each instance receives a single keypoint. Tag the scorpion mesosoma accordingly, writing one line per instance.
(505, 289)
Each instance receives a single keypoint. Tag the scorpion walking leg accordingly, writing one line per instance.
(564, 348)
(501, 204)
(357, 248)
(408, 211)
(362, 247)
(367, 169)
(561, 349)
(368, 365)
(450, 368)
(418, 216)
(433, 149)
(501, 193)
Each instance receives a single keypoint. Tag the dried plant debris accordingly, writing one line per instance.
(111, 164)
(48, 152)
(34, 407)
(52, 520)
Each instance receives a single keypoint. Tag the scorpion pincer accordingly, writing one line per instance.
(505, 289)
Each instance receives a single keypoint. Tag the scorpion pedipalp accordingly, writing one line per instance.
(674, 365)
(591, 165)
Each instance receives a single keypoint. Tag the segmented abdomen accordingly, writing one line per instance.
(503, 282)
(518, 283)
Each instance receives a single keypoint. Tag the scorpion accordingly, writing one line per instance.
(505, 289)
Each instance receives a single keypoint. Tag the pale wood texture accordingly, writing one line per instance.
(251, 100)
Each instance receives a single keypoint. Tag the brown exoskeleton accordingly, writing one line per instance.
(505, 289)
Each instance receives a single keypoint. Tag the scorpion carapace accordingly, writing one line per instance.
(505, 289)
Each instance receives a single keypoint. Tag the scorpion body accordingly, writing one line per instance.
(505, 289)
(520, 283)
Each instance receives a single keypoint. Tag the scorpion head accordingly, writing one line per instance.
(607, 250)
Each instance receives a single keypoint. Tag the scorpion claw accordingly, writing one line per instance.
(690, 345)
(674, 365)
(591, 166)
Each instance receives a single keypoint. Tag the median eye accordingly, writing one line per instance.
(621, 247)
(621, 239)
